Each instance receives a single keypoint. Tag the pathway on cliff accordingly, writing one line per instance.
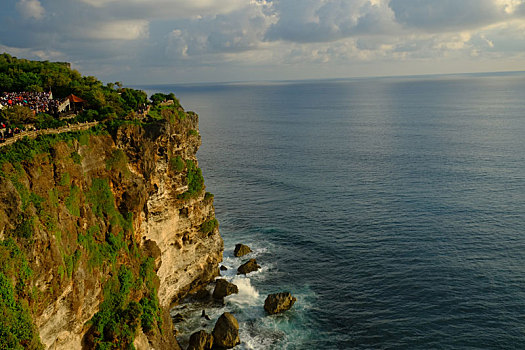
(35, 133)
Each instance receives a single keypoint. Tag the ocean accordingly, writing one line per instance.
(392, 208)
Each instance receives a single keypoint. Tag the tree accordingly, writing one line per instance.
(18, 115)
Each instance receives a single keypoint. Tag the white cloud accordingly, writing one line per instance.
(309, 36)
(166, 9)
(30, 9)
(238, 31)
(328, 20)
(117, 30)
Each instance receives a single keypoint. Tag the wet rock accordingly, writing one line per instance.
(224, 288)
(201, 341)
(247, 267)
(226, 332)
(241, 250)
(223, 268)
(178, 318)
(279, 302)
(203, 314)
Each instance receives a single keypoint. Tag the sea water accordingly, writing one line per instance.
(392, 208)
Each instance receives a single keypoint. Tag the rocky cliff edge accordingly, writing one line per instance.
(101, 231)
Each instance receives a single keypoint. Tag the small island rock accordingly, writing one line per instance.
(224, 288)
(247, 267)
(201, 341)
(226, 332)
(241, 250)
(279, 302)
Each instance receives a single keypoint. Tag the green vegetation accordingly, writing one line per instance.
(118, 161)
(108, 100)
(73, 201)
(16, 328)
(177, 164)
(107, 247)
(193, 132)
(195, 181)
(25, 228)
(24, 75)
(160, 97)
(209, 226)
(18, 115)
(117, 321)
(103, 205)
(77, 159)
(119, 317)
(26, 148)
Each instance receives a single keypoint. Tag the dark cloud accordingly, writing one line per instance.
(310, 21)
(443, 15)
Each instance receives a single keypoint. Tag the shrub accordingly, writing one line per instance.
(73, 201)
(118, 161)
(25, 229)
(176, 164)
(195, 181)
(16, 327)
(209, 226)
(77, 159)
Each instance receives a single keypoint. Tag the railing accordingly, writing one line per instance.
(35, 133)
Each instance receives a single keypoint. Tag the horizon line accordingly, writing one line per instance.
(270, 81)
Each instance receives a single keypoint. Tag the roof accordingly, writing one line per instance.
(75, 99)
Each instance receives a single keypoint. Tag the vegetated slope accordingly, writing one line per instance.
(101, 230)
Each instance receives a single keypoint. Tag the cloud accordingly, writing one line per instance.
(30, 9)
(165, 9)
(134, 37)
(447, 15)
(117, 30)
(329, 20)
(237, 31)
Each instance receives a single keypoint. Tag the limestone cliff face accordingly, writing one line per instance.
(189, 257)
(98, 207)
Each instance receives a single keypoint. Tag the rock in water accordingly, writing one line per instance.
(205, 316)
(247, 267)
(201, 341)
(226, 332)
(224, 288)
(223, 268)
(279, 302)
(241, 250)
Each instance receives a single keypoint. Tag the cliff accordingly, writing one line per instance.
(101, 231)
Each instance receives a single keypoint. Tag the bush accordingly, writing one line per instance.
(73, 201)
(118, 161)
(25, 229)
(209, 226)
(176, 164)
(16, 328)
(195, 181)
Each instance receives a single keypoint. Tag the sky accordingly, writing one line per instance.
(186, 41)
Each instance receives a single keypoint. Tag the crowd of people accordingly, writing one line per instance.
(39, 102)
(6, 131)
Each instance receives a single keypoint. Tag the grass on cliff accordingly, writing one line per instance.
(195, 181)
(26, 148)
(210, 225)
(171, 113)
(16, 327)
(116, 323)
(176, 164)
